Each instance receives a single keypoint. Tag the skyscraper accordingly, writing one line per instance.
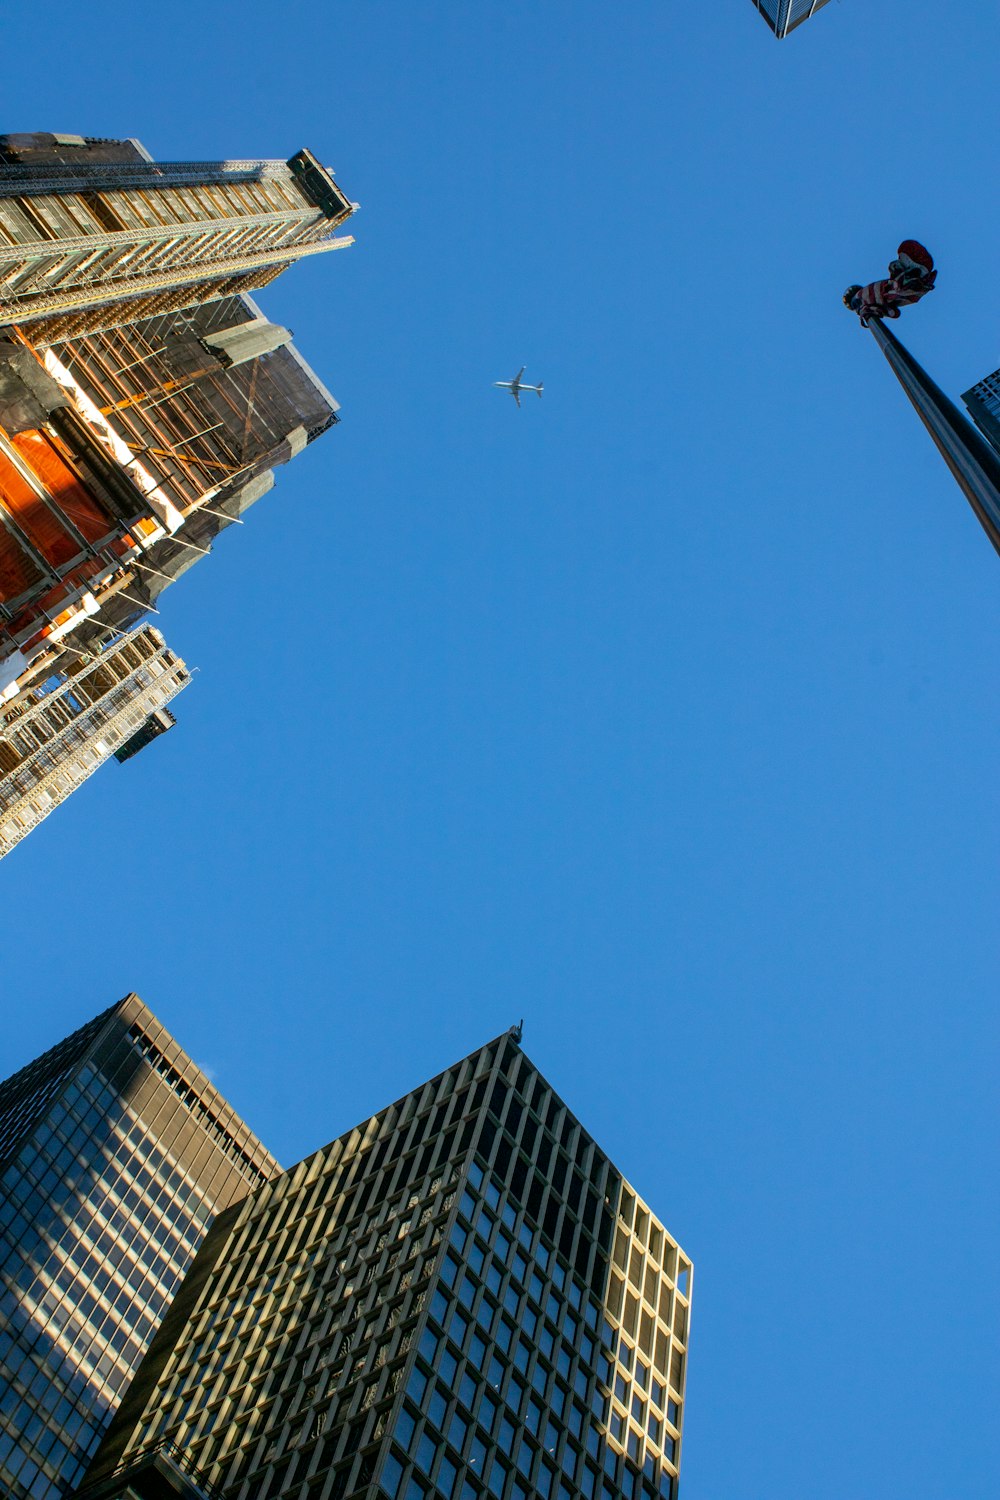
(983, 404)
(94, 233)
(52, 740)
(145, 399)
(461, 1297)
(784, 15)
(115, 1154)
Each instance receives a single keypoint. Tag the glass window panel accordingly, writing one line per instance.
(426, 1453)
(467, 1391)
(405, 1424)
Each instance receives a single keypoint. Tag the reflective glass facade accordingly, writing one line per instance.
(115, 1154)
(784, 15)
(460, 1298)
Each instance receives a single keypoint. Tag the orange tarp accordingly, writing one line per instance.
(73, 499)
(40, 522)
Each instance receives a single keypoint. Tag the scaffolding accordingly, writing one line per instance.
(59, 734)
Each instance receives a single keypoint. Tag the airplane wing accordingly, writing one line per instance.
(517, 377)
(513, 391)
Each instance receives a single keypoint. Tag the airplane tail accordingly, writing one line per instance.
(539, 388)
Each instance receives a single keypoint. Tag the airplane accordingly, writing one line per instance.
(515, 387)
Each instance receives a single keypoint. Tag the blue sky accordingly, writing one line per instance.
(658, 713)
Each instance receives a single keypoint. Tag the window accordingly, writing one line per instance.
(428, 1344)
(498, 1477)
(487, 1413)
(478, 1456)
(392, 1473)
(467, 1391)
(457, 1432)
(449, 1270)
(426, 1453)
(405, 1424)
(445, 1481)
(436, 1408)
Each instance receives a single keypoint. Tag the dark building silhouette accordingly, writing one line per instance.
(115, 1155)
(460, 1298)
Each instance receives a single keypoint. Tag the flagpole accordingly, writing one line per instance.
(973, 461)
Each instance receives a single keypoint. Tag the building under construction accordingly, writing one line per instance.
(145, 399)
(54, 738)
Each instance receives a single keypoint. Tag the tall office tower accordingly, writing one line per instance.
(115, 1154)
(983, 403)
(784, 15)
(145, 399)
(95, 233)
(459, 1298)
(53, 738)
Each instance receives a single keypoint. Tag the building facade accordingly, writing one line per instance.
(53, 738)
(460, 1298)
(115, 1155)
(983, 404)
(784, 15)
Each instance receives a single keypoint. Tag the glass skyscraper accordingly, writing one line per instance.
(115, 1154)
(460, 1298)
(784, 15)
